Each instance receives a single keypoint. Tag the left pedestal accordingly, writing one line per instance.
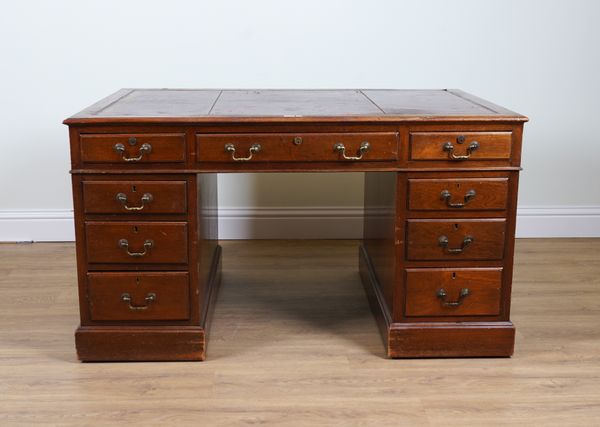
(149, 264)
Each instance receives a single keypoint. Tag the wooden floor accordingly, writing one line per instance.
(293, 343)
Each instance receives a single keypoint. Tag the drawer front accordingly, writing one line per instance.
(130, 149)
(136, 242)
(138, 296)
(291, 147)
(460, 146)
(457, 194)
(460, 292)
(134, 197)
(456, 240)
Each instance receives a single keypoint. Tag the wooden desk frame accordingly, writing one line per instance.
(153, 301)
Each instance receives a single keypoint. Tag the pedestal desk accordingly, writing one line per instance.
(441, 172)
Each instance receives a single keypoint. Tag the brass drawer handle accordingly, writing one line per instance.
(144, 149)
(450, 149)
(254, 148)
(341, 148)
(443, 242)
(146, 198)
(124, 244)
(441, 294)
(150, 298)
(447, 197)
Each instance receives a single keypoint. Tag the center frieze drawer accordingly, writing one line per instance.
(298, 147)
(136, 242)
(134, 197)
(464, 239)
(138, 296)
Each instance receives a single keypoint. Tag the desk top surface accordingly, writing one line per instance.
(348, 105)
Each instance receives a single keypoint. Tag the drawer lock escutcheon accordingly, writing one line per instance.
(150, 298)
(447, 197)
(144, 149)
(441, 294)
(443, 242)
(148, 244)
(254, 148)
(341, 148)
(449, 147)
(146, 198)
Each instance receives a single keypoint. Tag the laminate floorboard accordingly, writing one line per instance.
(293, 343)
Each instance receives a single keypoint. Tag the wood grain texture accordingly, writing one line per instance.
(313, 359)
(426, 194)
(158, 339)
(322, 125)
(312, 147)
(438, 339)
(423, 285)
(170, 290)
(379, 229)
(165, 148)
(430, 145)
(166, 197)
(134, 343)
(169, 242)
(439, 336)
(423, 239)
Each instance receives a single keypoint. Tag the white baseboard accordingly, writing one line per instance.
(301, 223)
(558, 221)
(37, 225)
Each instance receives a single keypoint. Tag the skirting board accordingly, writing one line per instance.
(301, 223)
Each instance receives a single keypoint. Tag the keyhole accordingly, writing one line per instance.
(133, 188)
(453, 275)
(455, 227)
(457, 185)
(135, 229)
(137, 281)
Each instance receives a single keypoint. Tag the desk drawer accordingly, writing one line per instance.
(136, 242)
(138, 296)
(464, 239)
(453, 292)
(293, 147)
(463, 147)
(129, 149)
(455, 194)
(134, 197)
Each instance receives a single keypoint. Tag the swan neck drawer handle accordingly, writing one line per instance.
(443, 242)
(146, 198)
(441, 294)
(449, 147)
(341, 148)
(150, 298)
(254, 148)
(148, 244)
(144, 149)
(447, 197)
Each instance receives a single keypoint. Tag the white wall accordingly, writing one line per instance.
(540, 58)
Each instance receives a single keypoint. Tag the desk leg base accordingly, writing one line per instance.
(151, 343)
(127, 343)
(473, 339)
(429, 339)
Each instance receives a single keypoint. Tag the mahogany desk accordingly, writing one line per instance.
(441, 172)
